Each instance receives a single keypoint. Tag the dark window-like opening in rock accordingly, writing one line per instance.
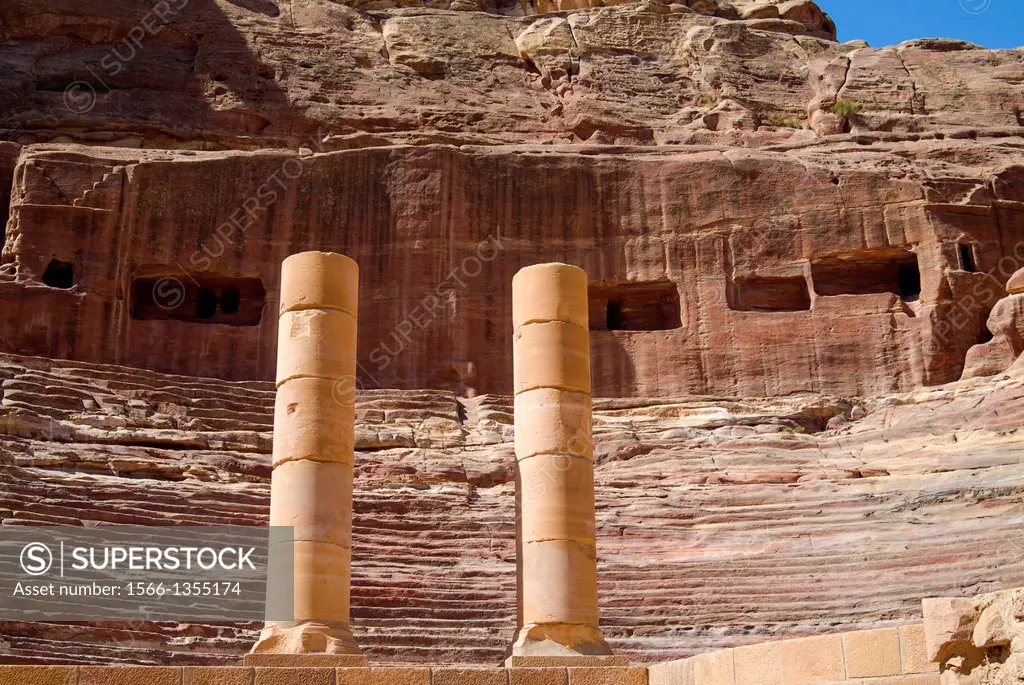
(967, 262)
(230, 300)
(909, 280)
(59, 274)
(4, 214)
(614, 320)
(652, 306)
(870, 271)
(206, 303)
(198, 298)
(770, 294)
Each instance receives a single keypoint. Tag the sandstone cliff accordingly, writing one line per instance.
(732, 249)
(254, 73)
(858, 266)
(764, 213)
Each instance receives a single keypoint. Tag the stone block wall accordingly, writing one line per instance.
(886, 656)
(883, 656)
(229, 675)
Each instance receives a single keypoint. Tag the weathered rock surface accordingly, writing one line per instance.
(222, 73)
(1006, 324)
(977, 640)
(459, 146)
(852, 266)
(720, 521)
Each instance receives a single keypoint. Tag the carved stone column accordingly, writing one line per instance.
(314, 439)
(557, 560)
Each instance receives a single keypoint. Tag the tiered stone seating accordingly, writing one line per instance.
(720, 523)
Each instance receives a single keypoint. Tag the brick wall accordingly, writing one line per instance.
(200, 675)
(885, 656)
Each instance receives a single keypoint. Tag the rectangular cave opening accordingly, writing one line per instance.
(59, 274)
(199, 298)
(967, 261)
(893, 271)
(650, 306)
(770, 294)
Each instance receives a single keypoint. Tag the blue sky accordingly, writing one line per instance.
(991, 23)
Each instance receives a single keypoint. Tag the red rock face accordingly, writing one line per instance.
(850, 264)
(730, 272)
(254, 73)
(244, 71)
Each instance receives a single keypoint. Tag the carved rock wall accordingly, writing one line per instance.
(836, 268)
(732, 250)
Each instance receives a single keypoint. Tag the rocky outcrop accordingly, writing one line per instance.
(221, 74)
(889, 656)
(721, 522)
(1006, 326)
(1006, 323)
(977, 640)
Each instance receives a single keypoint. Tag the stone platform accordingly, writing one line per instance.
(229, 675)
(715, 668)
(884, 656)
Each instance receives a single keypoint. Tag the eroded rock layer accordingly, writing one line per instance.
(255, 73)
(720, 521)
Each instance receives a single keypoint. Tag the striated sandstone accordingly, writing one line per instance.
(720, 522)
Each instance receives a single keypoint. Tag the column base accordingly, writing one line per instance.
(281, 641)
(559, 640)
